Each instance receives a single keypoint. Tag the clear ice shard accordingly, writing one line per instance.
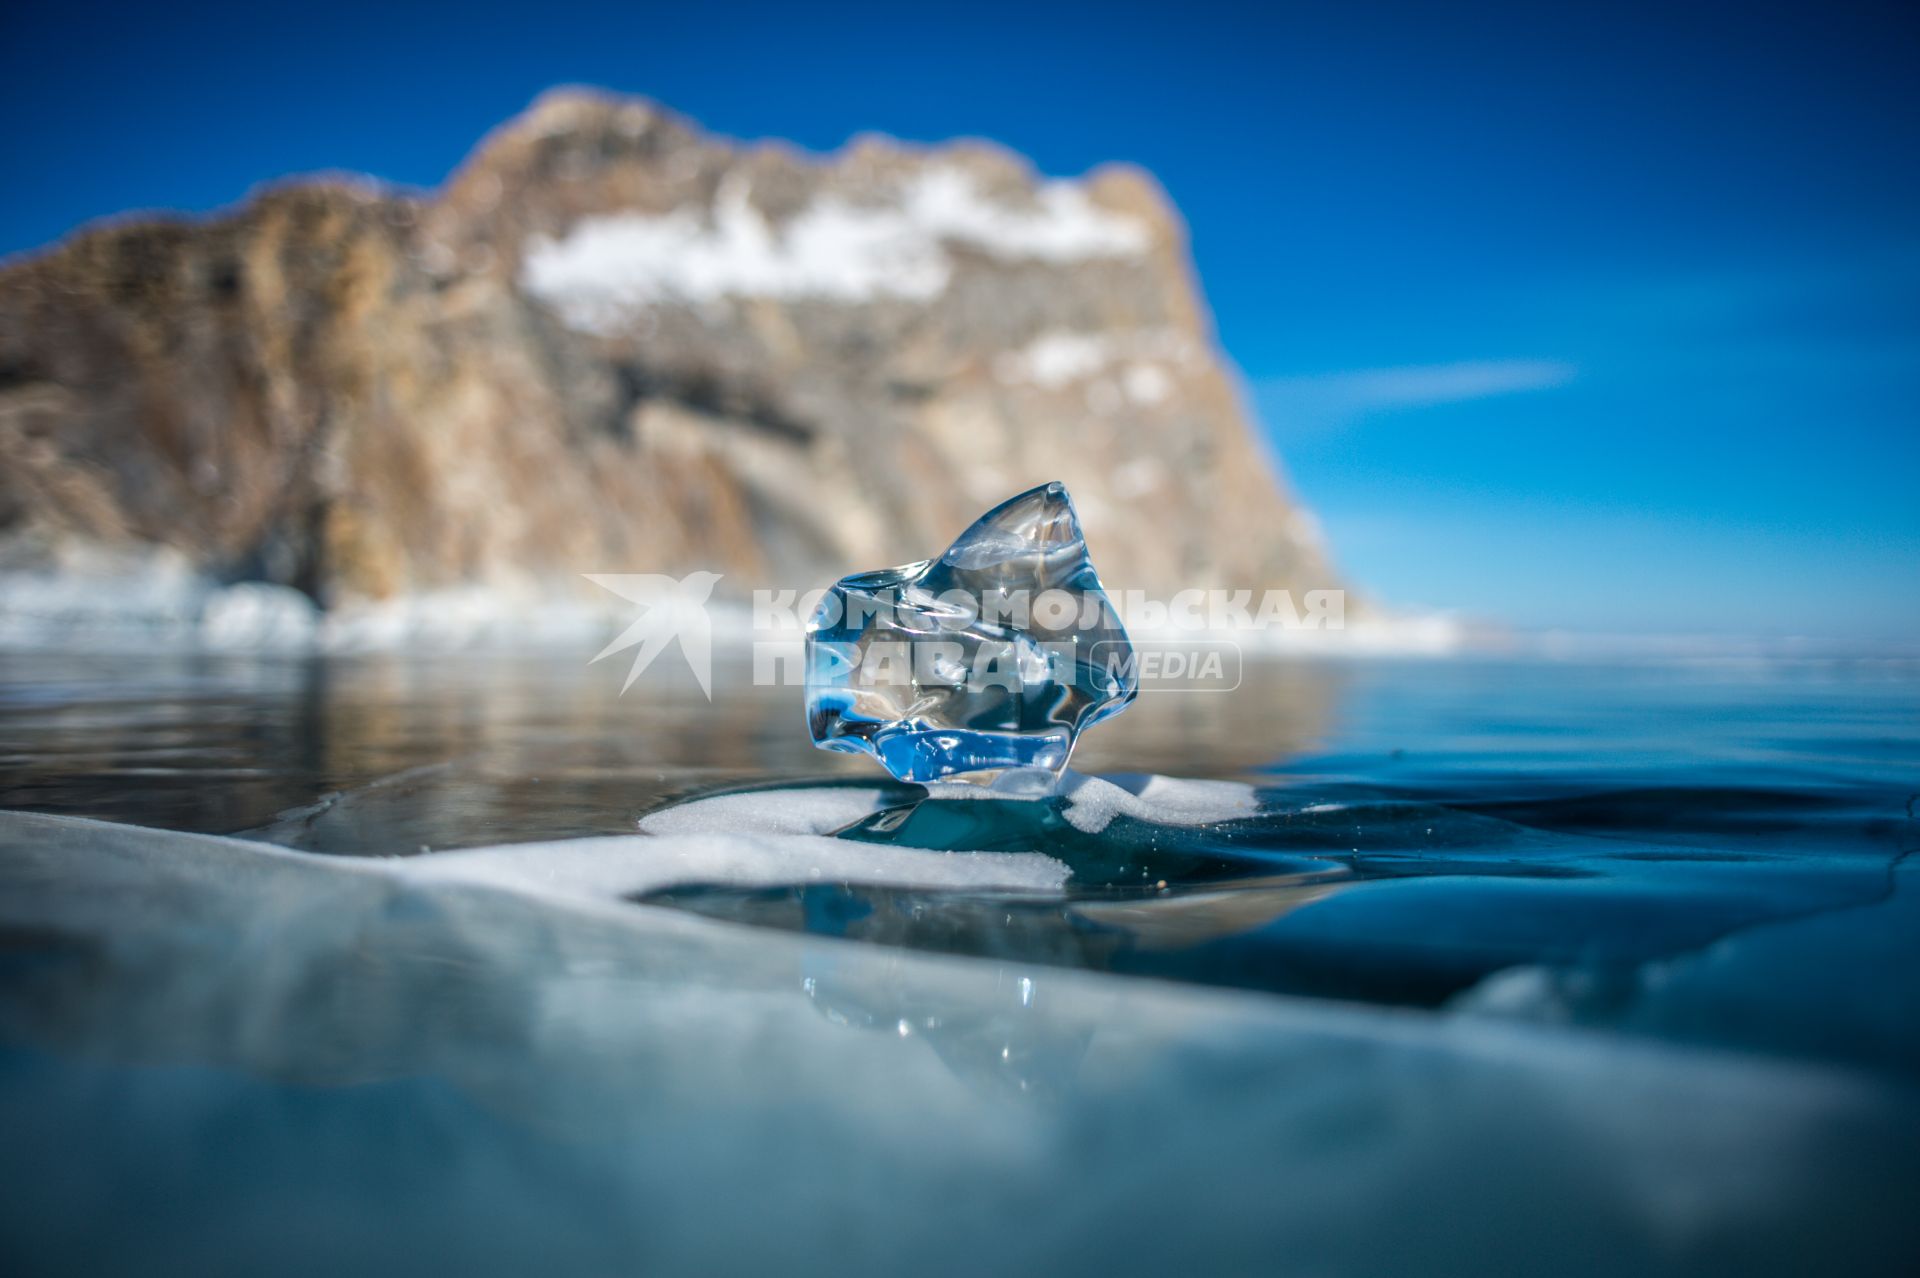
(995, 656)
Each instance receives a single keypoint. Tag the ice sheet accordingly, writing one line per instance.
(262, 1044)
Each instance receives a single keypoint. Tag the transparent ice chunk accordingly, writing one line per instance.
(994, 656)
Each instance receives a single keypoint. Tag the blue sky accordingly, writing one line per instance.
(1605, 320)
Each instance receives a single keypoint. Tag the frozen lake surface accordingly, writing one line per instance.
(1394, 967)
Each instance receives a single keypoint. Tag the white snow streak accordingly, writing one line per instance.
(607, 267)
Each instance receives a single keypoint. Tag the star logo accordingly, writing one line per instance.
(670, 610)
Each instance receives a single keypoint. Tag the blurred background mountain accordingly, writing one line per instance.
(613, 343)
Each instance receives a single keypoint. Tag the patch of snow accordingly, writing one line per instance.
(94, 597)
(114, 599)
(1093, 802)
(257, 615)
(1067, 226)
(820, 810)
(93, 590)
(1147, 383)
(625, 865)
(1061, 357)
(461, 618)
(607, 267)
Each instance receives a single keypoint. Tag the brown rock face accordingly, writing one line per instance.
(613, 344)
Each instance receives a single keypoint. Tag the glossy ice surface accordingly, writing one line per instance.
(1428, 967)
(994, 656)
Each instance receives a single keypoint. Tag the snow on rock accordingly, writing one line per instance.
(606, 267)
(1057, 359)
(1147, 383)
(1061, 357)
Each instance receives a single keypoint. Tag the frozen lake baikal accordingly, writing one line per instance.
(1371, 966)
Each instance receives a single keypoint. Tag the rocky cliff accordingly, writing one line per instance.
(612, 343)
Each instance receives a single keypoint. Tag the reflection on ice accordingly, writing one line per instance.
(995, 1039)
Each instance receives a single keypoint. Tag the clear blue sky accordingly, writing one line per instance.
(1605, 321)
